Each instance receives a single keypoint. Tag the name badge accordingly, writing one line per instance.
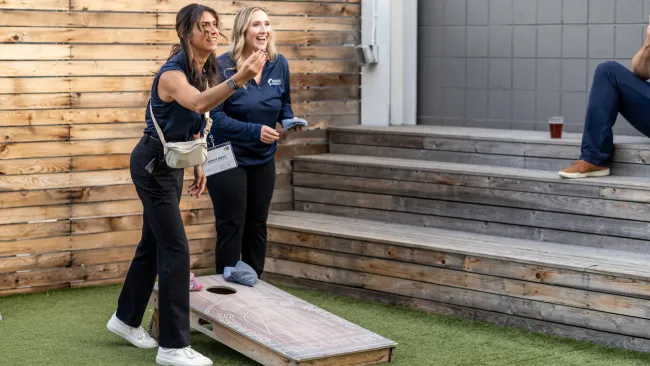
(220, 158)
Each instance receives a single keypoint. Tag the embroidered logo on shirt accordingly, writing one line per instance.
(275, 82)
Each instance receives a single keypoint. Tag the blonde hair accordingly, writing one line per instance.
(238, 41)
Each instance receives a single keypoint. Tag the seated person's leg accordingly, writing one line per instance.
(614, 89)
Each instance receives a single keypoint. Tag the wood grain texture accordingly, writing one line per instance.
(40, 197)
(504, 215)
(33, 231)
(34, 166)
(469, 263)
(70, 116)
(501, 319)
(64, 19)
(67, 148)
(143, 67)
(467, 297)
(22, 18)
(76, 78)
(271, 344)
(35, 4)
(35, 101)
(225, 7)
(539, 234)
(155, 36)
(29, 214)
(464, 157)
(279, 22)
(92, 241)
(161, 52)
(130, 115)
(79, 68)
(502, 178)
(495, 247)
(143, 83)
(470, 281)
(484, 196)
(68, 275)
(33, 52)
(46, 133)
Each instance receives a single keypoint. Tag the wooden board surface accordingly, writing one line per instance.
(485, 196)
(130, 115)
(468, 133)
(513, 217)
(514, 149)
(624, 152)
(540, 310)
(164, 20)
(470, 263)
(142, 67)
(471, 313)
(143, 83)
(155, 36)
(339, 164)
(74, 82)
(282, 323)
(483, 227)
(448, 278)
(231, 7)
(590, 260)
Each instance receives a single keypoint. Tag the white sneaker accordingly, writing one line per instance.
(181, 357)
(137, 336)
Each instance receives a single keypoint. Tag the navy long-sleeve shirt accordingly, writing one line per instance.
(240, 118)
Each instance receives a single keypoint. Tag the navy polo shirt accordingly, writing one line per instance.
(240, 118)
(176, 122)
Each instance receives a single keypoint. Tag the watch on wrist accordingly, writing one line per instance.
(231, 84)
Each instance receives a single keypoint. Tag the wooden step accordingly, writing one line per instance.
(609, 212)
(584, 293)
(508, 148)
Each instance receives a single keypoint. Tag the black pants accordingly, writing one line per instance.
(241, 198)
(163, 249)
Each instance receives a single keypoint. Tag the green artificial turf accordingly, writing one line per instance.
(69, 328)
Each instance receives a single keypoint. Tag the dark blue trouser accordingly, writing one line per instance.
(614, 89)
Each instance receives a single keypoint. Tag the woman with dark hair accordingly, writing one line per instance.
(185, 87)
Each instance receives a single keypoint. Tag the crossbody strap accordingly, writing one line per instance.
(208, 123)
(155, 123)
(208, 126)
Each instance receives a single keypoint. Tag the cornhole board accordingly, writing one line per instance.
(274, 327)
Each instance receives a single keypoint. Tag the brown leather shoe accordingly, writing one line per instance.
(584, 169)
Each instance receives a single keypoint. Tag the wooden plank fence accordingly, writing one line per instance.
(74, 80)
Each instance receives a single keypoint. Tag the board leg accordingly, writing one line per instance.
(153, 325)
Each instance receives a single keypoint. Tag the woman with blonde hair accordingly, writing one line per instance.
(241, 196)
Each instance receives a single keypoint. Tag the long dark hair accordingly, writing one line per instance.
(186, 19)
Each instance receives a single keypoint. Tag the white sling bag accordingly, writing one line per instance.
(187, 153)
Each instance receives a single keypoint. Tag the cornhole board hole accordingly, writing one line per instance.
(274, 327)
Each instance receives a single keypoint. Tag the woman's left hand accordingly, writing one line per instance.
(198, 186)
